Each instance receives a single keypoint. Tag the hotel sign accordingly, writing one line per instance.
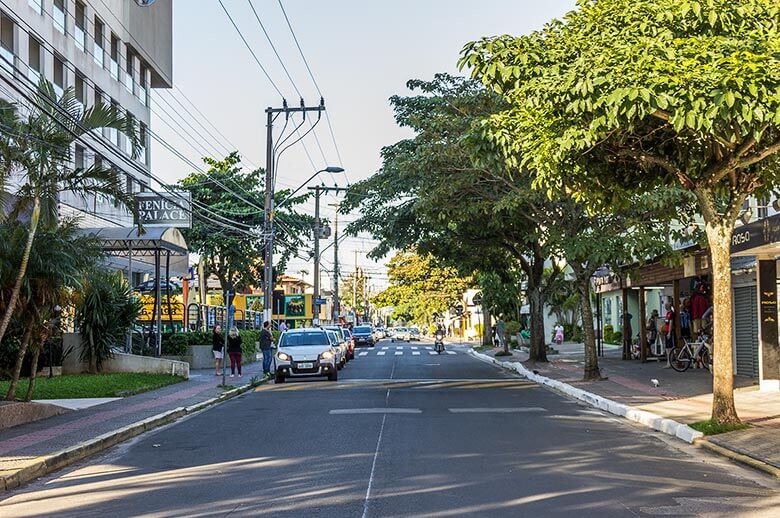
(164, 210)
(762, 232)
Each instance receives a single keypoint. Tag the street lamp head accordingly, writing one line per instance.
(334, 169)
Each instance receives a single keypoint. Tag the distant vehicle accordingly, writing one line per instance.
(346, 341)
(414, 334)
(306, 352)
(149, 286)
(381, 331)
(364, 335)
(401, 334)
(338, 342)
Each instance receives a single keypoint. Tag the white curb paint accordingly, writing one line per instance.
(655, 421)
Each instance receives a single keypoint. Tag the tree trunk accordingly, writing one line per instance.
(592, 371)
(538, 346)
(487, 337)
(33, 372)
(11, 394)
(723, 409)
(14, 298)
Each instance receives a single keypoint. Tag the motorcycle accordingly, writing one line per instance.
(438, 344)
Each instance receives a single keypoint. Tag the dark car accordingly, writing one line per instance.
(363, 335)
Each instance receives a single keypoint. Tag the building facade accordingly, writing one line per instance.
(114, 51)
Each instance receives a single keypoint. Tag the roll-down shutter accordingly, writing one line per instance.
(746, 331)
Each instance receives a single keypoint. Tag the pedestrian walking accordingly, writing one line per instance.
(501, 330)
(266, 343)
(670, 337)
(234, 351)
(282, 327)
(558, 334)
(217, 348)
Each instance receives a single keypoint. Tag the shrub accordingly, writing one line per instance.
(175, 344)
(478, 329)
(512, 328)
(608, 331)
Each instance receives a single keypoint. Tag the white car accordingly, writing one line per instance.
(337, 342)
(346, 355)
(306, 352)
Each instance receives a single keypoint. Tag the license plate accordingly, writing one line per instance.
(305, 365)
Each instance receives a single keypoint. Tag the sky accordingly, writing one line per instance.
(360, 53)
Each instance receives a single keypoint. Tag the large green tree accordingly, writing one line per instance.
(438, 192)
(639, 95)
(37, 144)
(227, 231)
(420, 288)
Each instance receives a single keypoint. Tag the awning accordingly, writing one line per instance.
(124, 241)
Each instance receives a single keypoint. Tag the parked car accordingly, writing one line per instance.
(306, 352)
(344, 342)
(381, 332)
(401, 334)
(414, 334)
(339, 344)
(364, 335)
(350, 340)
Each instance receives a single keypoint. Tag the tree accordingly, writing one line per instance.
(638, 95)
(228, 236)
(352, 291)
(36, 142)
(57, 262)
(420, 288)
(438, 192)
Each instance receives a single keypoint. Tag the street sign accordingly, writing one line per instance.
(477, 299)
(320, 302)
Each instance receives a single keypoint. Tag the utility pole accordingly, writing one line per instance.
(315, 302)
(268, 212)
(336, 308)
(354, 292)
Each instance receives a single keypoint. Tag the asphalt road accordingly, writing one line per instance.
(401, 434)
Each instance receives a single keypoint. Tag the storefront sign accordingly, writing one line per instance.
(294, 306)
(174, 311)
(164, 210)
(758, 233)
(767, 313)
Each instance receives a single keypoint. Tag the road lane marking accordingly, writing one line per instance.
(515, 410)
(380, 353)
(364, 353)
(399, 348)
(415, 353)
(383, 410)
(428, 347)
(450, 352)
(399, 353)
(414, 348)
(432, 353)
(385, 348)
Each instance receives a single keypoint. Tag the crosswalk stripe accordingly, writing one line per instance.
(450, 352)
(399, 353)
(365, 353)
(416, 353)
(431, 352)
(385, 348)
(380, 353)
(414, 348)
(428, 347)
(398, 348)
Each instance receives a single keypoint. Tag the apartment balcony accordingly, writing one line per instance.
(7, 60)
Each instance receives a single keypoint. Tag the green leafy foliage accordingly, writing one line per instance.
(117, 384)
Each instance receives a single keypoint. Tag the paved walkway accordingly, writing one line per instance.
(20, 444)
(683, 396)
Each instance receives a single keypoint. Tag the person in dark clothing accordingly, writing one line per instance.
(234, 351)
(217, 346)
(266, 343)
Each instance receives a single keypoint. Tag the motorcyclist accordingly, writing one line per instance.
(439, 336)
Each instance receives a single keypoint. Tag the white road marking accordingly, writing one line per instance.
(364, 353)
(414, 348)
(515, 410)
(428, 347)
(431, 352)
(380, 353)
(450, 352)
(399, 348)
(376, 454)
(383, 410)
(399, 353)
(415, 353)
(385, 348)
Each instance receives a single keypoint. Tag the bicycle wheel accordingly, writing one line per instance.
(681, 360)
(706, 359)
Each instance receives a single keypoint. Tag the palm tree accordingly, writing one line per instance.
(37, 143)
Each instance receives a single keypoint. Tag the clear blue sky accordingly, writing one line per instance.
(361, 53)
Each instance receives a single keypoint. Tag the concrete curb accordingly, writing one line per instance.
(739, 457)
(45, 464)
(655, 421)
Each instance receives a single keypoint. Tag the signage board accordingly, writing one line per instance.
(164, 210)
(174, 311)
(762, 232)
(320, 302)
(294, 306)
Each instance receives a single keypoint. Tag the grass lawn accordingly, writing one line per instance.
(713, 428)
(117, 384)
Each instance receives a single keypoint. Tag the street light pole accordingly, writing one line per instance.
(315, 302)
(336, 308)
(268, 234)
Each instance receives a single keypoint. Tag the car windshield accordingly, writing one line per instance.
(339, 332)
(400, 330)
(414, 330)
(362, 329)
(299, 338)
(332, 337)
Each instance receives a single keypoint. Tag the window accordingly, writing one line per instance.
(81, 89)
(127, 145)
(129, 183)
(79, 157)
(81, 22)
(58, 15)
(129, 70)
(98, 36)
(142, 83)
(114, 57)
(7, 44)
(142, 143)
(34, 59)
(113, 133)
(37, 5)
(59, 75)
(763, 207)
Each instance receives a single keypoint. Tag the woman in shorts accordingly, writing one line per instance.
(217, 346)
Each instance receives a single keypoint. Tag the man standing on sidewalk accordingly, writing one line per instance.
(266, 341)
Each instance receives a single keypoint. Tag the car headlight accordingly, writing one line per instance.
(327, 355)
(284, 357)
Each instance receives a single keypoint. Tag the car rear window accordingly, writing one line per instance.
(339, 331)
(362, 329)
(303, 338)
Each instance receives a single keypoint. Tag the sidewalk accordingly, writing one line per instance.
(31, 448)
(685, 397)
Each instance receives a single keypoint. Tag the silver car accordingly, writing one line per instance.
(338, 342)
(343, 341)
(306, 352)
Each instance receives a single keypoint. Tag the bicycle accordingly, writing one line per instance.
(686, 355)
